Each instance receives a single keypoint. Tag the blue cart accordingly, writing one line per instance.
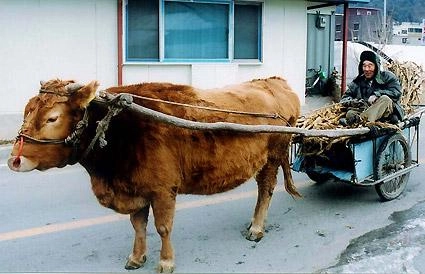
(383, 160)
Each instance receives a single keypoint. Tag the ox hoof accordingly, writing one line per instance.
(256, 237)
(166, 266)
(254, 234)
(132, 264)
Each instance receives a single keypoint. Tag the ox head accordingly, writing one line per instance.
(49, 118)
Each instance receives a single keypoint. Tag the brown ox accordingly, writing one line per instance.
(146, 164)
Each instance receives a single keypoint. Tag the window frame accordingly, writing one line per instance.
(338, 27)
(230, 35)
(260, 24)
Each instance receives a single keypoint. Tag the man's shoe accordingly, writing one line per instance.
(343, 122)
(393, 119)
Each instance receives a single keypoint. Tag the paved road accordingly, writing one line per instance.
(395, 248)
(51, 222)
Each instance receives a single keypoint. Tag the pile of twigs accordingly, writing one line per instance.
(324, 118)
(328, 118)
(412, 80)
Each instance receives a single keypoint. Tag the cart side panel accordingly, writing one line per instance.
(364, 158)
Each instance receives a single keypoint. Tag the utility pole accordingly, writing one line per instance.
(385, 22)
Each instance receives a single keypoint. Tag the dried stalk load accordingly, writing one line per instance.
(412, 80)
(323, 118)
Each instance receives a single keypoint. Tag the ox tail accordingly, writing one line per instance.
(288, 181)
(291, 189)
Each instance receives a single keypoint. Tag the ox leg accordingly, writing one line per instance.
(139, 220)
(163, 211)
(266, 181)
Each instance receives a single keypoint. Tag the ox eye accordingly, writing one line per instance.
(52, 119)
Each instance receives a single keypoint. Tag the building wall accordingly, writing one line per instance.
(407, 33)
(364, 24)
(77, 39)
(320, 41)
(48, 39)
(284, 44)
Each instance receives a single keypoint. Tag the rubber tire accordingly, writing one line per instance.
(389, 190)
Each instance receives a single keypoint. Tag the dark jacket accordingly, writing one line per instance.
(384, 83)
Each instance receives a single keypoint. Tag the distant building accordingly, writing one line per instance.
(364, 24)
(408, 33)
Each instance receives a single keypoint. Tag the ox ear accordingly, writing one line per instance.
(86, 94)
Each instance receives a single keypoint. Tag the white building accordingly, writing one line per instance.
(409, 33)
(197, 42)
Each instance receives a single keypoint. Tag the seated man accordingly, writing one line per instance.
(373, 95)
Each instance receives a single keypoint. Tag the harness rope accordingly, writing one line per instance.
(256, 114)
(31, 139)
(17, 160)
(116, 106)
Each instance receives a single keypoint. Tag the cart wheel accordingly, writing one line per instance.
(319, 178)
(393, 155)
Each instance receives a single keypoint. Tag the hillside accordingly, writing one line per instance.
(401, 10)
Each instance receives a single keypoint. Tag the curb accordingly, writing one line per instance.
(4, 154)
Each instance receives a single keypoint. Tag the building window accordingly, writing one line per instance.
(356, 26)
(196, 30)
(247, 31)
(338, 27)
(415, 30)
(404, 40)
(404, 31)
(142, 30)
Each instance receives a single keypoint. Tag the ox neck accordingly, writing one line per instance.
(115, 105)
(74, 138)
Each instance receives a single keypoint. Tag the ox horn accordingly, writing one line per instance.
(42, 82)
(73, 87)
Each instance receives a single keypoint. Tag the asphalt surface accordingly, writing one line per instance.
(51, 222)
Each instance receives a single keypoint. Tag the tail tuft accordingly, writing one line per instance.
(291, 189)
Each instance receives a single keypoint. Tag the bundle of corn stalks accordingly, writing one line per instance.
(323, 118)
(412, 80)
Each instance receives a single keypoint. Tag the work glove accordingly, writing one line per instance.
(346, 102)
(372, 99)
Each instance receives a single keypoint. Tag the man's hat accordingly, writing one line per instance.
(370, 56)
